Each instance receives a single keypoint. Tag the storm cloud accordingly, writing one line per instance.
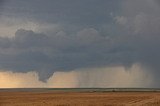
(69, 35)
(46, 54)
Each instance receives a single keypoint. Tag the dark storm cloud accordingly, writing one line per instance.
(1, 5)
(29, 51)
(84, 12)
(107, 35)
(2, 2)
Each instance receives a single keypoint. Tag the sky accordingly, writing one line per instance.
(79, 43)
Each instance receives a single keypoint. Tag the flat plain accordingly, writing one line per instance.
(83, 98)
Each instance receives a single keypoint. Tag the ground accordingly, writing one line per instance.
(27, 98)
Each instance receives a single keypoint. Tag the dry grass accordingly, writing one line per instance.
(79, 99)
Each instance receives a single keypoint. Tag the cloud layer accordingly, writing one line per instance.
(63, 36)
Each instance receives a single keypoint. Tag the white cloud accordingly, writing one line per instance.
(121, 20)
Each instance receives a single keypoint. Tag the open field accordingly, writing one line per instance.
(61, 98)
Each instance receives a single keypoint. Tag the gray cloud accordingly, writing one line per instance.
(94, 34)
(29, 51)
(84, 12)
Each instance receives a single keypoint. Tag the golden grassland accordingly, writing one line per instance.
(21, 98)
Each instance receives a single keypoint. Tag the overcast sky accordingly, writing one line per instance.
(65, 36)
